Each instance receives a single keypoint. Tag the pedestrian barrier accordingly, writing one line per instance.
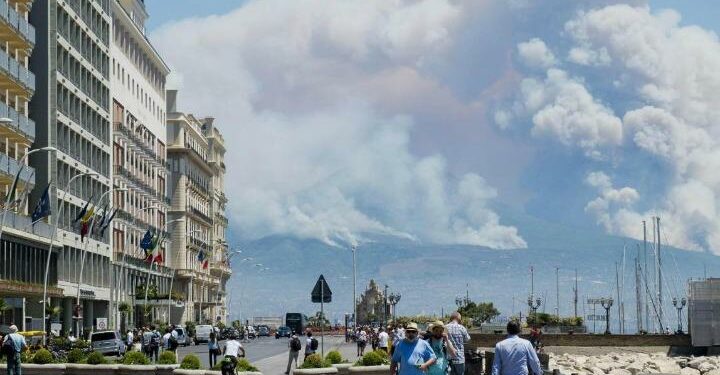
(370, 370)
(78, 369)
(316, 371)
(343, 368)
(81, 369)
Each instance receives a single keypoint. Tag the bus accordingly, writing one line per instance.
(297, 322)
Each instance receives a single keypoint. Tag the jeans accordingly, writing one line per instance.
(13, 365)
(212, 357)
(457, 368)
(292, 357)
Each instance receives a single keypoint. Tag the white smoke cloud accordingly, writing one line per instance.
(535, 54)
(310, 97)
(666, 75)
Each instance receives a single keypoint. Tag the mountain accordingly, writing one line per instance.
(429, 277)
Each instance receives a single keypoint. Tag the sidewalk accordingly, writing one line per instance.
(276, 365)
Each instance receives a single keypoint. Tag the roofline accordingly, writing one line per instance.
(141, 36)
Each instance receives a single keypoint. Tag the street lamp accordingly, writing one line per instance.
(534, 304)
(607, 303)
(192, 276)
(393, 299)
(679, 306)
(354, 249)
(52, 242)
(17, 175)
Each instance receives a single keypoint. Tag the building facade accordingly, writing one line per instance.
(71, 109)
(198, 249)
(372, 306)
(139, 163)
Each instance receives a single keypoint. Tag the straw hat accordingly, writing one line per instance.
(412, 326)
(436, 324)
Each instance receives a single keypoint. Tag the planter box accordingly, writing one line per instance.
(370, 370)
(316, 371)
(50, 369)
(136, 370)
(166, 369)
(80, 369)
(343, 368)
(192, 372)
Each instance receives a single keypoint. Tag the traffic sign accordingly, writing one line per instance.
(321, 292)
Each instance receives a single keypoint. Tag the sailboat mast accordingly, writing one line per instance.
(659, 272)
(644, 269)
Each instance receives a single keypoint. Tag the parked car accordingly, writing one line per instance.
(202, 333)
(283, 332)
(182, 337)
(107, 342)
(263, 330)
(251, 333)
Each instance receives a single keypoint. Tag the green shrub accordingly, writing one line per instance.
(167, 358)
(382, 353)
(42, 357)
(315, 361)
(81, 344)
(96, 358)
(135, 358)
(75, 356)
(244, 365)
(373, 359)
(190, 362)
(334, 357)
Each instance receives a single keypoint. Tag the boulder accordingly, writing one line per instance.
(689, 371)
(706, 367)
(605, 366)
(696, 362)
(666, 366)
(619, 371)
(713, 372)
(635, 368)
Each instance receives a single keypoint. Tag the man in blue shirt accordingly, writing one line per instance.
(414, 356)
(18, 345)
(514, 355)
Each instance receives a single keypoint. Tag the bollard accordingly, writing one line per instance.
(489, 357)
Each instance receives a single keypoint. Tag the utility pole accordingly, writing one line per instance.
(654, 271)
(659, 272)
(575, 293)
(644, 269)
(638, 299)
(355, 317)
(557, 291)
(617, 290)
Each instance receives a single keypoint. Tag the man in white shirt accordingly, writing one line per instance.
(130, 338)
(231, 351)
(383, 338)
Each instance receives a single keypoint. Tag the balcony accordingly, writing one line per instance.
(137, 142)
(200, 214)
(17, 22)
(21, 124)
(9, 168)
(130, 177)
(23, 77)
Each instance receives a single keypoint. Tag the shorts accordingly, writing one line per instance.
(361, 344)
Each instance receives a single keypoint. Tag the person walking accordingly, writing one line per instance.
(294, 352)
(515, 355)
(458, 336)
(412, 355)
(213, 349)
(130, 339)
(441, 346)
(361, 342)
(311, 344)
(169, 341)
(231, 351)
(13, 344)
(383, 339)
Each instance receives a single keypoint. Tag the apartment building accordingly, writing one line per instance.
(198, 253)
(23, 250)
(139, 162)
(71, 109)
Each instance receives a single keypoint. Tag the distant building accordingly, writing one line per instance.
(704, 312)
(372, 306)
(271, 321)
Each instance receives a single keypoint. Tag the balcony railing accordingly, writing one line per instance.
(19, 121)
(137, 141)
(16, 71)
(199, 213)
(119, 170)
(10, 167)
(17, 22)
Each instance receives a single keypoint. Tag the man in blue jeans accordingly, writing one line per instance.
(18, 345)
(458, 335)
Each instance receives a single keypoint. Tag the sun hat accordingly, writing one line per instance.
(411, 327)
(436, 324)
(13, 328)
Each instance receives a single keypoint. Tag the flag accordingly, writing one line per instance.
(157, 254)
(13, 188)
(107, 222)
(146, 240)
(85, 223)
(82, 212)
(151, 252)
(101, 222)
(43, 206)
(201, 256)
(205, 264)
(20, 198)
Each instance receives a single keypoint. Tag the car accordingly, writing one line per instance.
(283, 332)
(202, 333)
(182, 337)
(251, 333)
(263, 331)
(107, 342)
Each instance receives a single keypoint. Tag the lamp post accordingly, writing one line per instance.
(17, 175)
(679, 305)
(534, 304)
(82, 259)
(50, 247)
(355, 317)
(393, 300)
(123, 283)
(607, 303)
(385, 306)
(192, 276)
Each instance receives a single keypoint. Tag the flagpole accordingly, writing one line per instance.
(50, 247)
(17, 176)
(172, 275)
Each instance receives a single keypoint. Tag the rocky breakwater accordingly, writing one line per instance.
(633, 364)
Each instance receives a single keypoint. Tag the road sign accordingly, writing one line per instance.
(101, 324)
(321, 292)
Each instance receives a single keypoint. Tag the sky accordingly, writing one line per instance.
(428, 119)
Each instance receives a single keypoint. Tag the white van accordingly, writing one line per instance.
(202, 332)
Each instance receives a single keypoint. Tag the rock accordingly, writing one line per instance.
(667, 366)
(706, 367)
(635, 368)
(605, 366)
(696, 362)
(619, 371)
(597, 371)
(689, 371)
(713, 372)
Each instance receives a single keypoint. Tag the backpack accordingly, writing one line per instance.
(154, 341)
(173, 342)
(313, 344)
(8, 348)
(295, 345)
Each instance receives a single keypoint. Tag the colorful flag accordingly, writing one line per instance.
(205, 264)
(201, 256)
(43, 206)
(100, 222)
(106, 224)
(82, 212)
(85, 223)
(146, 241)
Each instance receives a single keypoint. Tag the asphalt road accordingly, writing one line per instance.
(255, 350)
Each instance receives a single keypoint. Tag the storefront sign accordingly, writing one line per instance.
(87, 293)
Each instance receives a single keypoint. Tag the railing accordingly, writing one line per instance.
(149, 190)
(18, 72)
(11, 166)
(201, 214)
(137, 141)
(19, 121)
(16, 21)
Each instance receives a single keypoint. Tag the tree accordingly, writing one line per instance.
(4, 306)
(237, 324)
(479, 313)
(318, 319)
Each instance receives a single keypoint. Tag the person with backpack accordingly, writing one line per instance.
(231, 351)
(442, 347)
(170, 342)
(12, 345)
(311, 344)
(213, 349)
(361, 342)
(151, 341)
(295, 347)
